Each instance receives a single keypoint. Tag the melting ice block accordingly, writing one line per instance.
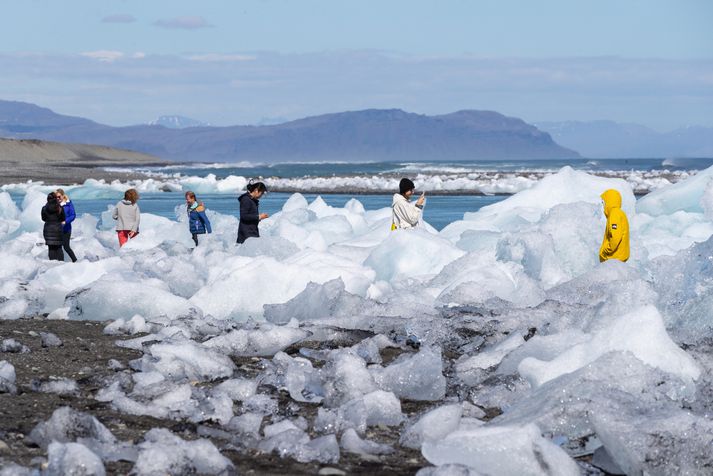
(414, 377)
(72, 458)
(7, 377)
(656, 441)
(264, 341)
(685, 195)
(432, 426)
(67, 425)
(187, 360)
(108, 299)
(352, 443)
(162, 452)
(503, 450)
(640, 332)
(409, 253)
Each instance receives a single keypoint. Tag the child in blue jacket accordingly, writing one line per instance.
(198, 222)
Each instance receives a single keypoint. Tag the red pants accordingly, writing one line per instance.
(123, 236)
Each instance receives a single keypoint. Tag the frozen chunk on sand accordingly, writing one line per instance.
(640, 332)
(50, 340)
(13, 346)
(434, 425)
(263, 342)
(135, 325)
(490, 357)
(7, 377)
(67, 425)
(73, 459)
(502, 450)
(186, 360)
(58, 385)
(656, 441)
(415, 377)
(296, 444)
(162, 452)
(351, 443)
(108, 299)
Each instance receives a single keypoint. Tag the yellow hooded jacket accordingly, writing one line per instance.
(616, 235)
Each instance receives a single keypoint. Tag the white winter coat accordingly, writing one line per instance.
(404, 213)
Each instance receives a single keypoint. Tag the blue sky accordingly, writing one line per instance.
(244, 61)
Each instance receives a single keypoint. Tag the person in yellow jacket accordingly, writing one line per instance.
(616, 235)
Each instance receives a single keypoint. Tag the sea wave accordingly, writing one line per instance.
(472, 183)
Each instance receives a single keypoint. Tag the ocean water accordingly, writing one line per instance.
(453, 188)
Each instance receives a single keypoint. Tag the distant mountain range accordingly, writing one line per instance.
(370, 135)
(608, 139)
(177, 122)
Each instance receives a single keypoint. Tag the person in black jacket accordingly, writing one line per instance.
(249, 215)
(53, 216)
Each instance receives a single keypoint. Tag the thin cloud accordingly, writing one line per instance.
(216, 57)
(119, 18)
(184, 23)
(105, 56)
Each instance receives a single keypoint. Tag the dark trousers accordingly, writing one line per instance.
(195, 238)
(55, 252)
(65, 244)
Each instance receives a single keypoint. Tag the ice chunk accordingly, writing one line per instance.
(296, 444)
(300, 379)
(108, 299)
(247, 423)
(490, 357)
(13, 308)
(346, 378)
(237, 388)
(162, 452)
(434, 425)
(135, 325)
(13, 346)
(615, 380)
(382, 408)
(58, 385)
(641, 332)
(67, 425)
(414, 377)
(73, 459)
(707, 200)
(685, 195)
(265, 341)
(409, 253)
(351, 443)
(318, 301)
(448, 470)
(501, 450)
(7, 377)
(50, 340)
(186, 360)
(651, 441)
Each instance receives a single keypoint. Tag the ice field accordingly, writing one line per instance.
(527, 353)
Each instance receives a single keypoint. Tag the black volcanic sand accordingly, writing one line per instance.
(84, 357)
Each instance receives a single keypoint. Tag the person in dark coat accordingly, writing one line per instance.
(69, 216)
(198, 222)
(53, 216)
(249, 215)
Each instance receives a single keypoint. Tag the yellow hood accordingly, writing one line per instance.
(612, 199)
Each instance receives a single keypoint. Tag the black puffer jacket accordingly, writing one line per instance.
(249, 217)
(53, 216)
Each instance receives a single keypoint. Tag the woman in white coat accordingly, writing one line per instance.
(405, 214)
